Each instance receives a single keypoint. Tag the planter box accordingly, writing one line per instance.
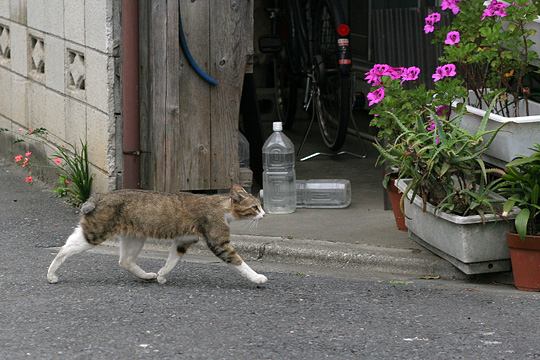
(470, 245)
(516, 138)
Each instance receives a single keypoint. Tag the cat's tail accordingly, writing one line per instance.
(88, 207)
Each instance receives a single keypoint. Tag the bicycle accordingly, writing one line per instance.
(316, 38)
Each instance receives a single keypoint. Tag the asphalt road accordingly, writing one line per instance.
(205, 311)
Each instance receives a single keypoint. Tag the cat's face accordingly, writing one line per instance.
(244, 205)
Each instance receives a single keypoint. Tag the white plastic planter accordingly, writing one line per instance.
(516, 138)
(472, 245)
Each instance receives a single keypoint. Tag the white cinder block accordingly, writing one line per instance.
(75, 122)
(5, 92)
(74, 21)
(4, 9)
(53, 120)
(5, 123)
(99, 80)
(97, 130)
(54, 17)
(100, 184)
(19, 100)
(19, 49)
(54, 62)
(98, 25)
(36, 105)
(17, 11)
(36, 14)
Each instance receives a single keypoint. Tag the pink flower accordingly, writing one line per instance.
(442, 110)
(451, 5)
(25, 162)
(430, 20)
(439, 74)
(410, 73)
(448, 70)
(18, 158)
(376, 96)
(373, 76)
(428, 29)
(28, 180)
(452, 38)
(372, 79)
(381, 69)
(435, 16)
(28, 154)
(395, 72)
(57, 161)
(495, 8)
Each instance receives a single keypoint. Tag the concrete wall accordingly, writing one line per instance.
(57, 71)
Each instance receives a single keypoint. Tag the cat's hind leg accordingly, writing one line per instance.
(75, 244)
(178, 248)
(130, 247)
(226, 252)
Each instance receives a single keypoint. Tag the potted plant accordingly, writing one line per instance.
(521, 184)
(491, 44)
(397, 93)
(451, 207)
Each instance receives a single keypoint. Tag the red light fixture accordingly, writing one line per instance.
(343, 29)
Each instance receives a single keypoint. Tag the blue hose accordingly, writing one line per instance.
(185, 49)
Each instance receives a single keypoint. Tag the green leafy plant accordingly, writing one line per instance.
(444, 162)
(74, 172)
(493, 50)
(71, 164)
(521, 185)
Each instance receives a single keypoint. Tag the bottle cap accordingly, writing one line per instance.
(277, 126)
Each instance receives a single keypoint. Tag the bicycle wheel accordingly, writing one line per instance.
(285, 91)
(333, 94)
(285, 68)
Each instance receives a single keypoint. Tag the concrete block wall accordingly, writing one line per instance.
(58, 60)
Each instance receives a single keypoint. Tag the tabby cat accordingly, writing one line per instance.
(135, 215)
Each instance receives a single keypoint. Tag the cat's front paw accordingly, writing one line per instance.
(150, 276)
(52, 279)
(161, 279)
(259, 279)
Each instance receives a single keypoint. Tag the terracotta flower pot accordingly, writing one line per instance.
(395, 196)
(525, 257)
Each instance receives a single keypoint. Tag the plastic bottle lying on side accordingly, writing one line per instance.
(322, 193)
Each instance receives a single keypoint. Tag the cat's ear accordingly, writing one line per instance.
(238, 193)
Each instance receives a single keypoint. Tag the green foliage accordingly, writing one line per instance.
(494, 54)
(74, 172)
(445, 164)
(521, 185)
(71, 164)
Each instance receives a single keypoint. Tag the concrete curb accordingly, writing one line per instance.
(412, 262)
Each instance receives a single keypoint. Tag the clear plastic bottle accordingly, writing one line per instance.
(323, 193)
(278, 176)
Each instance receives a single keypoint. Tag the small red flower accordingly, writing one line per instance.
(28, 179)
(57, 161)
(28, 154)
(18, 158)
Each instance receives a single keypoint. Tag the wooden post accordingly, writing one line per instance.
(194, 127)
